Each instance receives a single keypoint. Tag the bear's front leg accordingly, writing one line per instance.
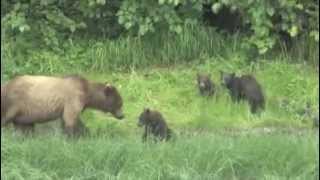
(81, 129)
(71, 115)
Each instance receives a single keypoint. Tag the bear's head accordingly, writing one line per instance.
(113, 101)
(226, 78)
(106, 97)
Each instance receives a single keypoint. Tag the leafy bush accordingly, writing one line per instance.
(48, 20)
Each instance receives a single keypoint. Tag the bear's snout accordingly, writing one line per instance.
(118, 114)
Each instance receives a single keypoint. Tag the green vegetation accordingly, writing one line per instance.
(152, 57)
(199, 150)
(205, 156)
(194, 44)
(173, 91)
(49, 21)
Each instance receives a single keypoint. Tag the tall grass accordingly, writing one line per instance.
(164, 48)
(193, 44)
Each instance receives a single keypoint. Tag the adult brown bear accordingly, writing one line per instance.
(27, 100)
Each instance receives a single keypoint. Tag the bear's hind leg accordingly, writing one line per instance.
(24, 128)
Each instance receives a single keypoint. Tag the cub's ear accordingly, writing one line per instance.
(147, 110)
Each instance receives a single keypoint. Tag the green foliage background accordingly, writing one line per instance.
(48, 23)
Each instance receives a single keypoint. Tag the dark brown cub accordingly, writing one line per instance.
(244, 87)
(155, 124)
(205, 84)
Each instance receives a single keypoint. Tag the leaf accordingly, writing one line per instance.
(178, 29)
(27, 27)
(128, 25)
(82, 25)
(263, 50)
(121, 20)
(161, 2)
(143, 29)
(21, 28)
(91, 3)
(315, 35)
(233, 9)
(176, 2)
(225, 2)
(299, 6)
(216, 7)
(293, 31)
(270, 11)
(72, 28)
(102, 2)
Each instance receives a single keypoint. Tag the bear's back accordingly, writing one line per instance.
(43, 87)
(42, 96)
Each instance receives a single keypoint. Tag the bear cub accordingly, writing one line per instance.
(205, 84)
(244, 87)
(155, 124)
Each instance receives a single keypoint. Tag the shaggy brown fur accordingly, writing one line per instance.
(27, 100)
(155, 124)
(244, 87)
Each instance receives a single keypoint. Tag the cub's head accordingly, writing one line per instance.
(202, 80)
(226, 78)
(144, 117)
(108, 99)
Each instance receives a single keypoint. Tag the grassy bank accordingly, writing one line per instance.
(203, 146)
(173, 91)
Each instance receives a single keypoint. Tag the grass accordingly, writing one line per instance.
(198, 151)
(193, 44)
(209, 156)
(124, 53)
(173, 91)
